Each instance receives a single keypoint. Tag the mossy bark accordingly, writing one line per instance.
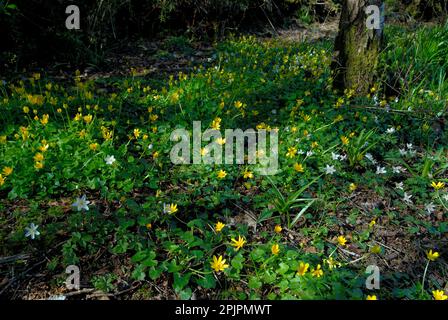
(357, 48)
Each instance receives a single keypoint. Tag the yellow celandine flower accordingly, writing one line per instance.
(303, 268)
(432, 256)
(438, 185)
(78, 117)
(137, 133)
(88, 118)
(299, 167)
(219, 226)
(238, 104)
(2, 139)
(332, 263)
(221, 141)
(275, 249)
(219, 264)
(439, 295)
(291, 152)
(342, 240)
(59, 110)
(352, 187)
(155, 155)
(2, 180)
(7, 171)
(216, 124)
(26, 109)
(38, 165)
(372, 223)
(317, 272)
(238, 244)
(345, 140)
(314, 144)
(172, 208)
(44, 119)
(248, 174)
(38, 157)
(371, 297)
(94, 146)
(222, 174)
(278, 228)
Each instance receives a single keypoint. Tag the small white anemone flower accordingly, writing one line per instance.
(81, 203)
(31, 231)
(110, 160)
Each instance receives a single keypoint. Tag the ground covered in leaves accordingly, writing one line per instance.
(86, 176)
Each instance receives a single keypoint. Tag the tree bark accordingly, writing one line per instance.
(357, 48)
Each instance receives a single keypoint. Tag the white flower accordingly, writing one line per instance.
(300, 151)
(110, 160)
(409, 146)
(343, 157)
(403, 152)
(445, 197)
(31, 231)
(309, 153)
(335, 156)
(407, 198)
(430, 208)
(390, 130)
(81, 203)
(398, 169)
(399, 185)
(370, 157)
(380, 170)
(329, 169)
(150, 146)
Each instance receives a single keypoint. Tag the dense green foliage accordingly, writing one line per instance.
(356, 162)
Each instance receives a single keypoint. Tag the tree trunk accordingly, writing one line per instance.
(357, 47)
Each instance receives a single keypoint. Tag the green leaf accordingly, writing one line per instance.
(180, 281)
(208, 282)
(254, 283)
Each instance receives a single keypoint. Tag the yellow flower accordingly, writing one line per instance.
(88, 118)
(2, 180)
(438, 185)
(222, 174)
(291, 152)
(314, 144)
(439, 295)
(26, 109)
(372, 297)
(172, 208)
(43, 147)
(94, 146)
(332, 263)
(148, 226)
(275, 249)
(219, 226)
(372, 223)
(44, 119)
(303, 268)
(318, 272)
(137, 133)
(7, 171)
(238, 104)
(248, 174)
(238, 243)
(38, 157)
(342, 240)
(278, 228)
(432, 256)
(216, 124)
(345, 140)
(219, 264)
(221, 141)
(352, 187)
(2, 139)
(38, 165)
(77, 117)
(298, 167)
